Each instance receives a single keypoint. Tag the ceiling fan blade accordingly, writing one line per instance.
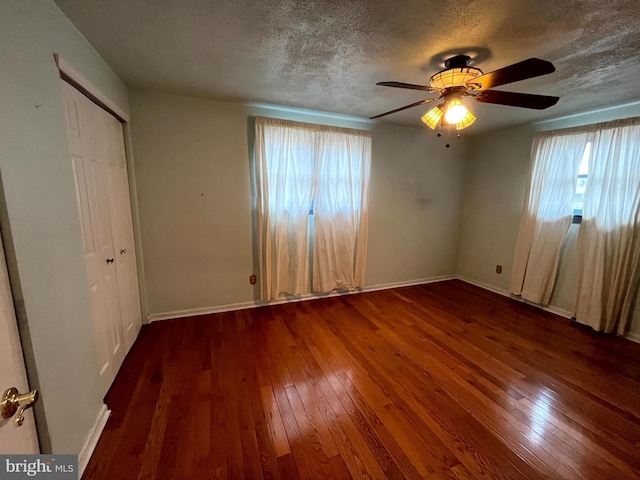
(410, 86)
(524, 100)
(533, 67)
(405, 107)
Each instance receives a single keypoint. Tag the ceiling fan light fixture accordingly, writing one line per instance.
(467, 121)
(456, 112)
(432, 117)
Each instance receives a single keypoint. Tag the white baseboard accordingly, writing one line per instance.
(548, 308)
(634, 337)
(486, 286)
(411, 283)
(192, 312)
(92, 439)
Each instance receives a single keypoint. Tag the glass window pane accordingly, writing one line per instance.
(581, 181)
(584, 163)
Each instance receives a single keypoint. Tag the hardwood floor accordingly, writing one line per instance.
(437, 381)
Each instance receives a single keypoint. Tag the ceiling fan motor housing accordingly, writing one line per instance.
(457, 74)
(459, 61)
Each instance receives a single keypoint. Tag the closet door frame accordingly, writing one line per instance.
(81, 83)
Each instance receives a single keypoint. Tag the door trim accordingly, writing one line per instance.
(79, 81)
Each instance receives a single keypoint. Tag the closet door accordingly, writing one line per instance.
(87, 147)
(122, 230)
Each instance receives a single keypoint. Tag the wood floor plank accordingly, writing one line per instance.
(218, 400)
(278, 435)
(437, 381)
(287, 467)
(231, 375)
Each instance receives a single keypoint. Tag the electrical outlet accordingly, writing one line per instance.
(253, 279)
(498, 269)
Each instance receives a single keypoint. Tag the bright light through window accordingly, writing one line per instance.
(581, 181)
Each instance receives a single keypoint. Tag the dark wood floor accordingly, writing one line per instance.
(436, 381)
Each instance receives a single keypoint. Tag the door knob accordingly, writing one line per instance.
(13, 401)
(109, 260)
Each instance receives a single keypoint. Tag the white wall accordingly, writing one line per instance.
(496, 177)
(39, 219)
(193, 178)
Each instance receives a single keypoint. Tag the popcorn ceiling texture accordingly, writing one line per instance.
(328, 55)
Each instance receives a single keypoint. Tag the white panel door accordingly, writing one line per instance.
(122, 230)
(88, 147)
(13, 439)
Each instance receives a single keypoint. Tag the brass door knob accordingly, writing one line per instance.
(13, 402)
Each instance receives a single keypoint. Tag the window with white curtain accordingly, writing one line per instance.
(596, 170)
(312, 193)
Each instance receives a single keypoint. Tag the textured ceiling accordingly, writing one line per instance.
(328, 55)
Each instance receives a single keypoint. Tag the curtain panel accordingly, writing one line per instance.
(285, 167)
(312, 194)
(340, 211)
(547, 215)
(609, 237)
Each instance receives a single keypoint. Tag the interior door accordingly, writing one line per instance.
(122, 230)
(88, 149)
(14, 439)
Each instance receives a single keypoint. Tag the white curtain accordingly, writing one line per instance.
(609, 238)
(285, 171)
(340, 210)
(300, 166)
(547, 215)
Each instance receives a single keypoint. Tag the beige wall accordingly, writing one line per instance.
(193, 178)
(39, 216)
(496, 178)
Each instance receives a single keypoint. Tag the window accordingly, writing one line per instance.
(581, 184)
(312, 189)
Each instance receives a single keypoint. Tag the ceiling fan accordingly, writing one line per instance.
(459, 80)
